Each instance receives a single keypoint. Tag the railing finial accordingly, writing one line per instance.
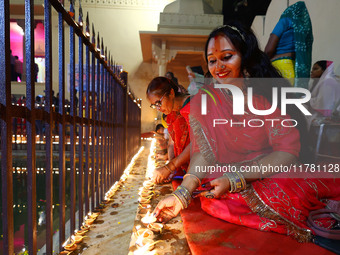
(87, 29)
(80, 14)
(72, 11)
(93, 36)
(102, 47)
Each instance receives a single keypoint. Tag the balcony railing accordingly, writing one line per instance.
(90, 143)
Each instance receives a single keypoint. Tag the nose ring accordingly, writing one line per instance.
(222, 66)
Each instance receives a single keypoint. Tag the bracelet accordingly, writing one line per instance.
(183, 195)
(168, 168)
(173, 194)
(186, 194)
(237, 181)
(198, 179)
(181, 198)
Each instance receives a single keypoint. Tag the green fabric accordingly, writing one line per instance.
(303, 36)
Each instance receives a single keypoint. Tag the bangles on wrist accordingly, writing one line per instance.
(195, 177)
(183, 196)
(237, 181)
(168, 166)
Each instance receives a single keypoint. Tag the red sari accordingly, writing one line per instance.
(276, 204)
(179, 131)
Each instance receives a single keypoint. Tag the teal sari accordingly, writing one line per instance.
(303, 36)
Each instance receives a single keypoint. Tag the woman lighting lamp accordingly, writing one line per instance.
(271, 204)
(165, 97)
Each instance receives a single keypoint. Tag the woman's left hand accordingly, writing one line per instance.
(221, 186)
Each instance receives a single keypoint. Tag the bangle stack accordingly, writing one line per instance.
(167, 166)
(183, 196)
(196, 178)
(237, 181)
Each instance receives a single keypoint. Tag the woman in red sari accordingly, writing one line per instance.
(280, 203)
(164, 96)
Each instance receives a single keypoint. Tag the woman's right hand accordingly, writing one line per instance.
(167, 209)
(221, 186)
(160, 174)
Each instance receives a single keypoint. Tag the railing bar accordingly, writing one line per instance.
(96, 117)
(30, 127)
(81, 141)
(108, 102)
(93, 98)
(61, 125)
(72, 128)
(49, 127)
(118, 136)
(6, 132)
(114, 131)
(111, 131)
(87, 143)
(102, 132)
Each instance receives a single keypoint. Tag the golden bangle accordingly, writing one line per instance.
(198, 179)
(168, 168)
(178, 200)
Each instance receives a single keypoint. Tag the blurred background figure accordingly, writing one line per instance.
(12, 59)
(324, 88)
(171, 76)
(18, 69)
(196, 77)
(161, 142)
(290, 44)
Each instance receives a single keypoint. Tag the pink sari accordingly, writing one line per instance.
(281, 205)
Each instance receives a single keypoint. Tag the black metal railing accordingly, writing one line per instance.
(96, 135)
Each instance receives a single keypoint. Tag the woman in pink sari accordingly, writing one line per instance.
(235, 143)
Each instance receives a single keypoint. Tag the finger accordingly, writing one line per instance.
(208, 194)
(158, 208)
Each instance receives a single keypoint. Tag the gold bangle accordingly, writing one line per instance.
(198, 179)
(167, 167)
(178, 200)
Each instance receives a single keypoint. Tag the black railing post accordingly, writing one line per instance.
(87, 115)
(30, 125)
(49, 127)
(81, 124)
(6, 131)
(62, 170)
(93, 106)
(97, 129)
(73, 135)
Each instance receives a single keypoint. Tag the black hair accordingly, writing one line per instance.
(158, 127)
(173, 78)
(162, 86)
(256, 64)
(322, 64)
